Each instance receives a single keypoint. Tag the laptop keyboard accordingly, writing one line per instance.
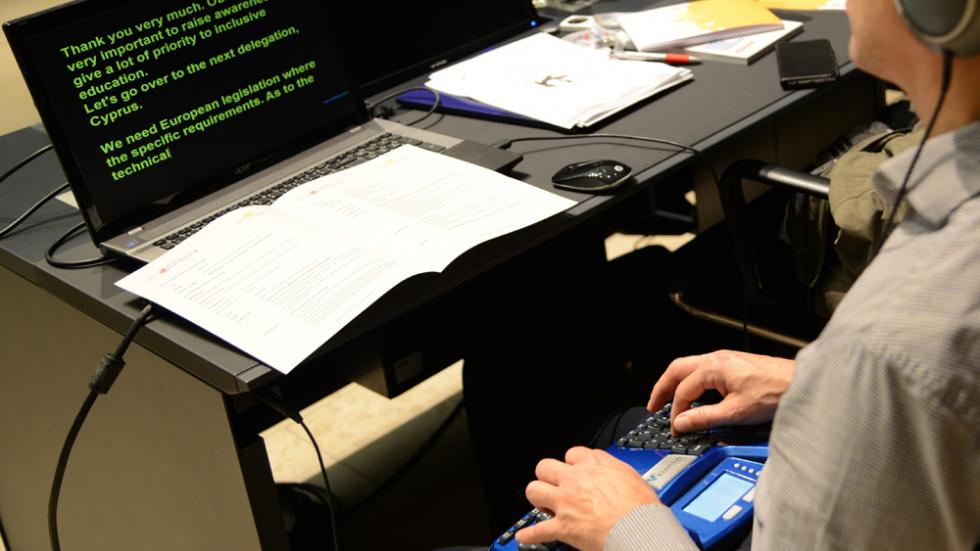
(363, 152)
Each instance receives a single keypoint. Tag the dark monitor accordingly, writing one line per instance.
(388, 43)
(150, 103)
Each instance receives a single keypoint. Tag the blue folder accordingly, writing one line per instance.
(462, 106)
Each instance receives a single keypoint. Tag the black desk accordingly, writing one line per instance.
(186, 469)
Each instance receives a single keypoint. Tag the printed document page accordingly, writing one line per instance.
(555, 81)
(278, 281)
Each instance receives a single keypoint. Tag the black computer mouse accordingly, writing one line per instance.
(592, 176)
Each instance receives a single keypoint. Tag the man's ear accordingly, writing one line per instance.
(952, 25)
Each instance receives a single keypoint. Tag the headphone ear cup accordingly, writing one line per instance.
(952, 25)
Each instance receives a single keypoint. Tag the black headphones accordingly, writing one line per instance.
(952, 25)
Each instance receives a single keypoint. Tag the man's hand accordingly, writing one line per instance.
(751, 384)
(587, 494)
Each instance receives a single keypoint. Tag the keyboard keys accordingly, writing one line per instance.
(367, 150)
(700, 447)
(547, 546)
(654, 434)
(679, 447)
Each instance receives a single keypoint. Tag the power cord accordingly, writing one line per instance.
(88, 263)
(903, 189)
(276, 405)
(20, 219)
(20, 164)
(75, 230)
(424, 448)
(105, 375)
(26, 160)
(436, 102)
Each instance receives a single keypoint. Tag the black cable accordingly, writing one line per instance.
(107, 372)
(88, 263)
(903, 189)
(270, 400)
(25, 160)
(422, 449)
(325, 496)
(326, 482)
(59, 473)
(10, 227)
(437, 100)
(505, 144)
(312, 490)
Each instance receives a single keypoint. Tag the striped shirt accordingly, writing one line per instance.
(876, 444)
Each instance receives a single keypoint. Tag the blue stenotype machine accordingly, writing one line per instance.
(707, 479)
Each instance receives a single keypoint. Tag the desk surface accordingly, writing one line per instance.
(723, 102)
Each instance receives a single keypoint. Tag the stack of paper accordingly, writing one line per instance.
(551, 80)
(745, 49)
(691, 23)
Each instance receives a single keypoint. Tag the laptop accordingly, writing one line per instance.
(402, 40)
(167, 113)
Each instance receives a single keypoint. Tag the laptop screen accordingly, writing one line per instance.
(151, 102)
(400, 40)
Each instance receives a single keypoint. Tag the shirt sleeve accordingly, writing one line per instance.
(648, 527)
(865, 453)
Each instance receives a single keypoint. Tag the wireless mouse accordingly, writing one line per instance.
(592, 176)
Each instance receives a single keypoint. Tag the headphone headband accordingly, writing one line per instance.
(952, 25)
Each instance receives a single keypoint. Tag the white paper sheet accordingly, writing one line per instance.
(555, 81)
(278, 281)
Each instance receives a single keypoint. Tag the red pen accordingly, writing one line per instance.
(674, 59)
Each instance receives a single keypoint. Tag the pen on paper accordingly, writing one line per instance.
(674, 59)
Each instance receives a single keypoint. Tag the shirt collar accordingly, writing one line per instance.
(946, 174)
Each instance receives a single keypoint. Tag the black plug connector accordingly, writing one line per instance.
(105, 375)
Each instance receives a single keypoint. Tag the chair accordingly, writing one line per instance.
(745, 280)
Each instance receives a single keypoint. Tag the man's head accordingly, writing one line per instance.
(884, 44)
(881, 42)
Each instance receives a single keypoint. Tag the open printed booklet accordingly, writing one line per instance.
(690, 23)
(804, 4)
(278, 281)
(746, 48)
(557, 82)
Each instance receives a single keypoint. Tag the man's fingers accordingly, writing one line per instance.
(542, 495)
(550, 470)
(701, 418)
(606, 459)
(541, 532)
(677, 371)
(580, 454)
(688, 390)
